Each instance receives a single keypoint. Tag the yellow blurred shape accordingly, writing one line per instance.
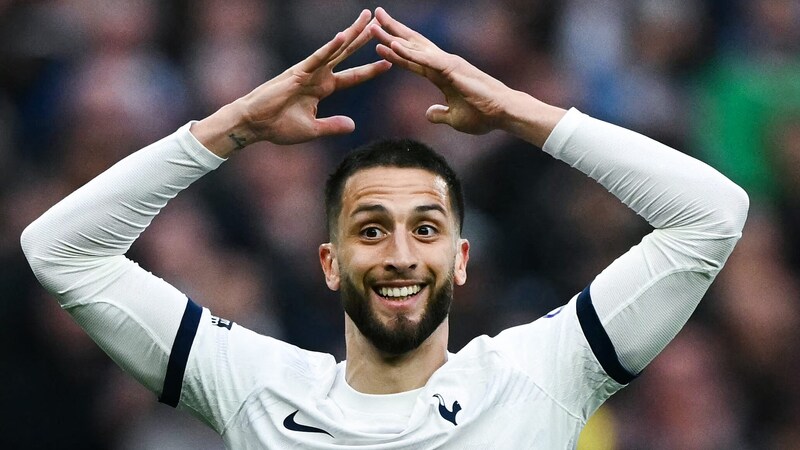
(599, 432)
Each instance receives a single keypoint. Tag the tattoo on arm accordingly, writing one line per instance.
(240, 141)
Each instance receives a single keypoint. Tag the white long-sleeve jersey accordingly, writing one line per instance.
(531, 386)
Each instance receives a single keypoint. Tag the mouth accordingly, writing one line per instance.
(400, 296)
(398, 293)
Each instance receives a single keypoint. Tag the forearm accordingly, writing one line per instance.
(666, 187)
(104, 217)
(528, 118)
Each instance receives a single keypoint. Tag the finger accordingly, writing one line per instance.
(390, 55)
(356, 75)
(393, 26)
(363, 37)
(383, 36)
(438, 114)
(410, 51)
(328, 126)
(353, 33)
(320, 57)
(420, 57)
(336, 45)
(433, 74)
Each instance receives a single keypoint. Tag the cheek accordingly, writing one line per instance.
(442, 260)
(359, 262)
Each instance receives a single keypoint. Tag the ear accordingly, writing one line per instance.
(462, 257)
(330, 265)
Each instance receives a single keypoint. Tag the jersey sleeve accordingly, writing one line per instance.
(646, 296)
(76, 250)
(174, 347)
(637, 305)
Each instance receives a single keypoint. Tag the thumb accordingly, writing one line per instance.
(334, 125)
(438, 114)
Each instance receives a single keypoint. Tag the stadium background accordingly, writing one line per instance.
(85, 82)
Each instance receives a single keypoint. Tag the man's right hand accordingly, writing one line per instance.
(284, 109)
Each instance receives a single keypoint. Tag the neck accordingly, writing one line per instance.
(371, 371)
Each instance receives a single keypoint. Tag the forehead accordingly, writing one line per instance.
(383, 185)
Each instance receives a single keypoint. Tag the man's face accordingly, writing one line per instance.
(396, 255)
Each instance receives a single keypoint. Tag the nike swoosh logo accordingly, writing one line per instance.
(290, 424)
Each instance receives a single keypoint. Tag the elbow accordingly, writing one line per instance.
(720, 208)
(40, 250)
(720, 234)
(34, 246)
(719, 218)
(733, 207)
(30, 241)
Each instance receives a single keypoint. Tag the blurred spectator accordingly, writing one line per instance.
(752, 82)
(783, 147)
(685, 400)
(760, 314)
(632, 61)
(230, 54)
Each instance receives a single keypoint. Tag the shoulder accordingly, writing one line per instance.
(240, 349)
(531, 340)
(228, 363)
(227, 356)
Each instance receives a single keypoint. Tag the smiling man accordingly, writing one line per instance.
(395, 213)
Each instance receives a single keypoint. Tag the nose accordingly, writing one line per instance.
(400, 254)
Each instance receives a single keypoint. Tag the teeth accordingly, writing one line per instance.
(397, 292)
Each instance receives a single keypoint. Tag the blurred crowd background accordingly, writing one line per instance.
(85, 82)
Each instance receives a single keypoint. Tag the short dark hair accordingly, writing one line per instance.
(402, 153)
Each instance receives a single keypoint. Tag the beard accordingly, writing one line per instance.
(400, 335)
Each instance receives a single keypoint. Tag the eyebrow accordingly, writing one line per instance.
(382, 209)
(369, 208)
(431, 207)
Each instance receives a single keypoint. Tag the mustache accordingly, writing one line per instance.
(372, 280)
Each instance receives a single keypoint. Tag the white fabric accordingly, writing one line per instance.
(76, 248)
(245, 385)
(531, 386)
(646, 296)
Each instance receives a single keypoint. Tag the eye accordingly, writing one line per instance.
(426, 231)
(372, 233)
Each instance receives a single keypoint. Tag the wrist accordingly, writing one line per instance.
(531, 119)
(225, 131)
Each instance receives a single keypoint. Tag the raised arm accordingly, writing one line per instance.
(76, 249)
(641, 301)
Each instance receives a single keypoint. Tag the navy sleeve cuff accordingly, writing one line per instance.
(599, 341)
(179, 356)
